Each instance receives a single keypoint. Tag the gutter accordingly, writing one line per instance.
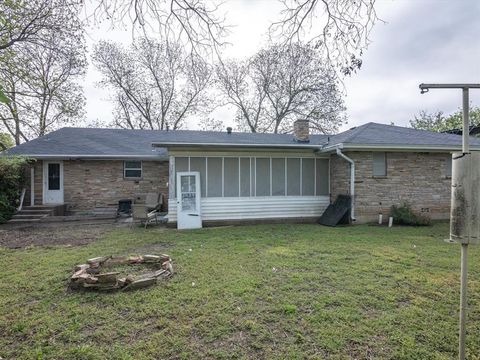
(90, 157)
(352, 178)
(386, 147)
(233, 145)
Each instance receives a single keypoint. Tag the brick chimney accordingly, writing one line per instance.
(301, 130)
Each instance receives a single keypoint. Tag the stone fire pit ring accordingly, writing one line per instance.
(90, 276)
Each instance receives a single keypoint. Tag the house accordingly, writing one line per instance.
(229, 177)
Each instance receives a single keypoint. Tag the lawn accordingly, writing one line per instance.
(257, 292)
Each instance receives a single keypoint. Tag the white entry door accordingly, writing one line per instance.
(188, 200)
(53, 182)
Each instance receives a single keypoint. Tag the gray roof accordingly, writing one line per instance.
(121, 143)
(389, 136)
(92, 143)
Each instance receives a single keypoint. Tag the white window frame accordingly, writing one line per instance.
(253, 164)
(385, 173)
(130, 168)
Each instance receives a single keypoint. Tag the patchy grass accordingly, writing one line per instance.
(269, 291)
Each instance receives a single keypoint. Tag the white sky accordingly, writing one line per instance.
(421, 41)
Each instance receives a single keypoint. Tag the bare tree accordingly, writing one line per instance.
(196, 23)
(279, 85)
(245, 92)
(32, 21)
(40, 82)
(157, 84)
(339, 29)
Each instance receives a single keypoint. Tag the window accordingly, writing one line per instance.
(379, 164)
(278, 177)
(236, 176)
(132, 169)
(230, 176)
(262, 183)
(293, 177)
(214, 174)
(448, 167)
(322, 177)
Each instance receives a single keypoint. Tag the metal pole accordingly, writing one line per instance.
(463, 302)
(466, 122)
(464, 251)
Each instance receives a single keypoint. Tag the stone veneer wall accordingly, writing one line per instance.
(99, 183)
(417, 178)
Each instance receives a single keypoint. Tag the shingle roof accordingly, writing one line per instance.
(121, 143)
(186, 137)
(373, 134)
(91, 142)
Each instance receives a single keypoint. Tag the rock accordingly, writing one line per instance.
(152, 258)
(129, 279)
(107, 278)
(82, 267)
(116, 260)
(76, 274)
(138, 284)
(101, 286)
(121, 282)
(98, 260)
(93, 270)
(135, 259)
(91, 280)
(158, 273)
(170, 268)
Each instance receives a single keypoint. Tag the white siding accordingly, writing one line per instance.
(266, 207)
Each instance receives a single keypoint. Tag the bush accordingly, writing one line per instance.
(12, 179)
(404, 215)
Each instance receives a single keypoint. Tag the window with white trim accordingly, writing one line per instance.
(379, 164)
(234, 176)
(132, 169)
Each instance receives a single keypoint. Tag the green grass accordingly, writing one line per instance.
(269, 291)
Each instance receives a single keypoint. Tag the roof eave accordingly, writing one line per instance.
(394, 147)
(89, 157)
(235, 145)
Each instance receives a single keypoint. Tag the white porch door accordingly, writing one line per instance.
(53, 182)
(188, 200)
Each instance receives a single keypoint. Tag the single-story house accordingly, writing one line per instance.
(229, 176)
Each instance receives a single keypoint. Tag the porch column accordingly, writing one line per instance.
(32, 186)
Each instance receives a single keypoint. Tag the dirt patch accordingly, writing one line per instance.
(75, 234)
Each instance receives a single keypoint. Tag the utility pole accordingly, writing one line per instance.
(464, 214)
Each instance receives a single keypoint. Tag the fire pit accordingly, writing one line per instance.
(99, 273)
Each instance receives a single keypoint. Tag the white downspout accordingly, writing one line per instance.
(352, 179)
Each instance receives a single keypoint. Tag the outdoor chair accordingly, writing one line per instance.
(146, 212)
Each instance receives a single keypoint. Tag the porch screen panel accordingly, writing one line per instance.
(244, 176)
(252, 176)
(262, 177)
(278, 176)
(308, 177)
(214, 186)
(293, 177)
(181, 164)
(322, 180)
(199, 164)
(230, 175)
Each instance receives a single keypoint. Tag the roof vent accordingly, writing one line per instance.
(229, 130)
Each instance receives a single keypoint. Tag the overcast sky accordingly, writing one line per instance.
(420, 41)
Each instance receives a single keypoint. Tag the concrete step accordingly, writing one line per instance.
(35, 212)
(13, 220)
(40, 207)
(29, 216)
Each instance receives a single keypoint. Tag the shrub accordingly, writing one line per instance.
(12, 179)
(404, 215)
